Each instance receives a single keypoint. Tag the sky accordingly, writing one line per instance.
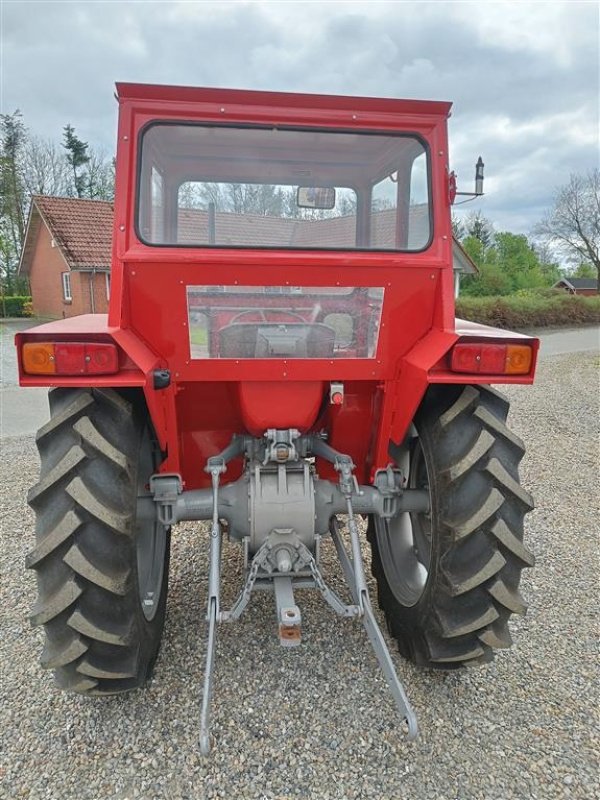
(523, 76)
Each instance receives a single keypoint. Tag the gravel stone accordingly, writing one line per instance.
(317, 721)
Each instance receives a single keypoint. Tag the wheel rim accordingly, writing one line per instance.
(150, 537)
(405, 541)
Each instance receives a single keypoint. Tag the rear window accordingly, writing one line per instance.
(331, 322)
(214, 186)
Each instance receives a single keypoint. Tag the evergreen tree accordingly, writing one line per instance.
(478, 226)
(458, 229)
(13, 199)
(77, 156)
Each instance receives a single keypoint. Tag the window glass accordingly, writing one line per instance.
(260, 215)
(217, 186)
(400, 219)
(157, 205)
(66, 283)
(284, 322)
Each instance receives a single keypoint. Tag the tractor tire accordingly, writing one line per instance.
(448, 580)
(101, 557)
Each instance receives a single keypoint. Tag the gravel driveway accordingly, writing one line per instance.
(317, 721)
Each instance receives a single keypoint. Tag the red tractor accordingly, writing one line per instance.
(280, 356)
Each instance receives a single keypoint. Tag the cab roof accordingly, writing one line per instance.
(188, 94)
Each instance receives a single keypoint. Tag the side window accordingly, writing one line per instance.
(66, 287)
(158, 206)
(418, 211)
(384, 199)
(400, 207)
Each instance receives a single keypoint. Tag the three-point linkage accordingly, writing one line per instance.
(283, 557)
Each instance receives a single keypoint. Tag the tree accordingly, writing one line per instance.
(13, 199)
(573, 223)
(45, 168)
(584, 270)
(518, 260)
(480, 228)
(77, 157)
(100, 184)
(255, 198)
(492, 279)
(12, 189)
(549, 267)
(509, 263)
(458, 229)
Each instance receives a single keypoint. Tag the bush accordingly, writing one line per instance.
(540, 291)
(15, 306)
(530, 309)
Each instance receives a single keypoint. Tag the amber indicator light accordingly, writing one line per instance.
(38, 358)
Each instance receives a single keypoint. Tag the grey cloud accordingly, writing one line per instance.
(61, 61)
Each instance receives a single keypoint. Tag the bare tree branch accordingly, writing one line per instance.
(573, 224)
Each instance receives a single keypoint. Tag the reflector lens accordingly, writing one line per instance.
(70, 358)
(491, 359)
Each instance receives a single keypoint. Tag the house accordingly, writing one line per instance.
(584, 286)
(66, 255)
(462, 264)
(67, 250)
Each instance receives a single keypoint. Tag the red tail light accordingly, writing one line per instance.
(492, 359)
(70, 358)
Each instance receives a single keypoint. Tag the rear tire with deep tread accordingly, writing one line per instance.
(477, 551)
(98, 640)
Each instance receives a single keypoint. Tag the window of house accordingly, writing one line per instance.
(107, 276)
(66, 287)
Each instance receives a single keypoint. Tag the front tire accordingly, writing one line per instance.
(101, 557)
(448, 594)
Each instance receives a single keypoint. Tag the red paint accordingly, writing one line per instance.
(280, 405)
(208, 401)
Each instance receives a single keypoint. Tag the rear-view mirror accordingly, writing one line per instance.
(315, 197)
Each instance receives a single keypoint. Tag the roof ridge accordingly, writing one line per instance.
(37, 197)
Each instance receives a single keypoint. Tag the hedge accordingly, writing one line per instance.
(530, 310)
(15, 306)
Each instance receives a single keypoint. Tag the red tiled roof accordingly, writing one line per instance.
(252, 230)
(82, 229)
(255, 230)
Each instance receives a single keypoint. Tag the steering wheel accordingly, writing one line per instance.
(262, 314)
